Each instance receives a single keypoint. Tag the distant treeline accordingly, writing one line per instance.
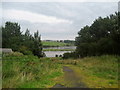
(13, 38)
(102, 37)
(64, 41)
(69, 41)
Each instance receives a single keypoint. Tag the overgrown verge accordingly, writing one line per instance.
(32, 72)
(96, 72)
(29, 72)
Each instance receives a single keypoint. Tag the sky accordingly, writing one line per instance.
(55, 20)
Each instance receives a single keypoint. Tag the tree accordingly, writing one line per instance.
(27, 33)
(10, 35)
(37, 45)
(102, 37)
(25, 43)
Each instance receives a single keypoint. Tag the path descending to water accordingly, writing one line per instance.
(72, 80)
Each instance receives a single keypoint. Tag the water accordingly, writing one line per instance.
(64, 47)
(54, 53)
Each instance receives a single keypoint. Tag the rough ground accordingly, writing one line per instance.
(72, 80)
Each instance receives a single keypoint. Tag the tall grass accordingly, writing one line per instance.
(103, 66)
(98, 71)
(29, 72)
(32, 72)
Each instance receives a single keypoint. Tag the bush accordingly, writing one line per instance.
(24, 50)
(70, 55)
(13, 54)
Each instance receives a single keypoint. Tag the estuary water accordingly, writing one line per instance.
(54, 53)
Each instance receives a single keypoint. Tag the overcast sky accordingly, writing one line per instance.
(56, 20)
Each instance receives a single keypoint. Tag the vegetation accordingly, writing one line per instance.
(98, 45)
(27, 44)
(70, 55)
(29, 71)
(72, 42)
(97, 71)
(58, 49)
(102, 37)
(58, 43)
(54, 44)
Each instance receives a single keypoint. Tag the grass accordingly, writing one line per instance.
(96, 72)
(29, 72)
(54, 44)
(58, 49)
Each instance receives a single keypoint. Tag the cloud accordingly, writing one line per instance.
(33, 17)
(119, 6)
(56, 20)
(60, 0)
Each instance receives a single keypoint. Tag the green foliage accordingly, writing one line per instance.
(70, 55)
(25, 50)
(96, 71)
(29, 71)
(54, 44)
(72, 42)
(102, 66)
(102, 37)
(25, 43)
(58, 49)
(10, 35)
(13, 54)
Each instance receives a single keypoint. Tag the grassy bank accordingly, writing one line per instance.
(96, 72)
(58, 49)
(29, 72)
(54, 44)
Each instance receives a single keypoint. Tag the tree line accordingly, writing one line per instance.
(27, 44)
(102, 37)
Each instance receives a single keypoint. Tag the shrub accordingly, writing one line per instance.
(25, 50)
(70, 55)
(13, 54)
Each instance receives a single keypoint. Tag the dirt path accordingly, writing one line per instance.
(72, 80)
